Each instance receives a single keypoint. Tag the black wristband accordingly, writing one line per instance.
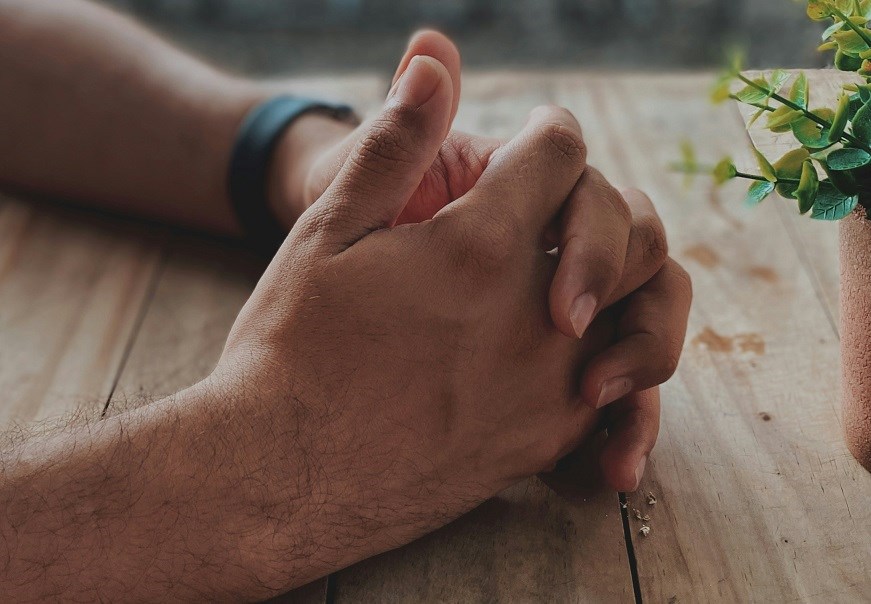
(252, 154)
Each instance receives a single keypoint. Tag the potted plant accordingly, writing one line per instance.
(828, 175)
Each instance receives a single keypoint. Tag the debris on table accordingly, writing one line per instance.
(640, 516)
(651, 498)
(644, 530)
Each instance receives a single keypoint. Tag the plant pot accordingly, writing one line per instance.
(855, 330)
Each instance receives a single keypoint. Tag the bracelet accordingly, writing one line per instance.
(250, 159)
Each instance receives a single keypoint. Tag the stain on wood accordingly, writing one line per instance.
(702, 254)
(764, 273)
(743, 342)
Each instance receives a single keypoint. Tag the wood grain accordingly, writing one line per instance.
(72, 286)
(757, 497)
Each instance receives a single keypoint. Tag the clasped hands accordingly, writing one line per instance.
(451, 314)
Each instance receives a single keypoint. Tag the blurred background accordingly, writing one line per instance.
(296, 37)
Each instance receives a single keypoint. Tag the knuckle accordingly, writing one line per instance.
(563, 143)
(670, 361)
(653, 240)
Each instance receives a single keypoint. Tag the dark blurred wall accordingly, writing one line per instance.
(292, 36)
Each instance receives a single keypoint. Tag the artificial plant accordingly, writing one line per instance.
(829, 172)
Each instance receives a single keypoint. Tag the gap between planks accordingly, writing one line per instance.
(144, 307)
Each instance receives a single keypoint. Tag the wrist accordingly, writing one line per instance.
(301, 147)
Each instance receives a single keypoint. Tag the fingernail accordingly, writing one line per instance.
(582, 312)
(613, 390)
(639, 471)
(418, 84)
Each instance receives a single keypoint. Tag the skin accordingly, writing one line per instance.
(414, 347)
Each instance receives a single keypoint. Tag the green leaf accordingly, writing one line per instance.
(808, 186)
(780, 119)
(845, 62)
(688, 154)
(755, 117)
(839, 122)
(844, 182)
(725, 170)
(765, 166)
(777, 79)
(850, 42)
(810, 134)
(752, 95)
(799, 93)
(833, 29)
(758, 191)
(789, 167)
(722, 89)
(847, 159)
(831, 204)
(818, 10)
(862, 123)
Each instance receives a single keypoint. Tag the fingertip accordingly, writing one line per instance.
(418, 84)
(550, 112)
(613, 389)
(431, 43)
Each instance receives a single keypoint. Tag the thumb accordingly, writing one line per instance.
(391, 158)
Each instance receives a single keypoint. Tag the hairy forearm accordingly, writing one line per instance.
(146, 505)
(97, 110)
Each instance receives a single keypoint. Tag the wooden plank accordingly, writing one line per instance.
(527, 544)
(202, 287)
(72, 285)
(757, 496)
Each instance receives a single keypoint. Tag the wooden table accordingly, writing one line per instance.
(757, 497)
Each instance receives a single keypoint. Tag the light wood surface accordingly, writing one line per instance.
(757, 498)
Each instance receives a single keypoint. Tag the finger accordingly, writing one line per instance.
(427, 43)
(461, 161)
(388, 163)
(650, 339)
(633, 428)
(596, 223)
(438, 46)
(647, 250)
(529, 178)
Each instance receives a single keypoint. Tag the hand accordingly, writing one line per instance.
(397, 377)
(601, 232)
